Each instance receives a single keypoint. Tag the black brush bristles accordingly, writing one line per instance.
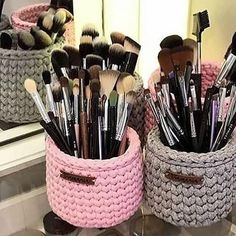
(40, 19)
(101, 47)
(85, 46)
(46, 77)
(116, 55)
(171, 41)
(117, 37)
(92, 59)
(204, 20)
(62, 57)
(131, 46)
(90, 30)
(75, 59)
(26, 40)
(6, 40)
(94, 71)
(59, 20)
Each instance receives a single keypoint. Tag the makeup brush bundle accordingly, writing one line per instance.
(91, 103)
(50, 27)
(183, 122)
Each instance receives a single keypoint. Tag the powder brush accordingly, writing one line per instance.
(92, 59)
(117, 37)
(90, 30)
(75, 60)
(26, 40)
(116, 56)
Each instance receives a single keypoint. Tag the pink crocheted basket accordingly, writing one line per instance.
(26, 17)
(100, 194)
(209, 72)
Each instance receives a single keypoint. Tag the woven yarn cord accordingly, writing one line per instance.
(209, 73)
(184, 204)
(26, 17)
(137, 118)
(115, 196)
(16, 104)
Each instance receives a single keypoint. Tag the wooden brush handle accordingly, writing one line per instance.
(84, 134)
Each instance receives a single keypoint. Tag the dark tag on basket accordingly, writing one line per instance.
(186, 179)
(87, 180)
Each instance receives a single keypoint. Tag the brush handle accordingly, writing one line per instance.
(76, 126)
(115, 149)
(112, 126)
(129, 63)
(198, 65)
(198, 86)
(123, 144)
(84, 134)
(94, 126)
(100, 137)
(203, 128)
(73, 143)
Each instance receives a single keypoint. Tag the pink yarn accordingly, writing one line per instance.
(117, 192)
(26, 17)
(209, 73)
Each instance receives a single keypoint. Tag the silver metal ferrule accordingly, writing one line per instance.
(222, 93)
(166, 93)
(120, 107)
(65, 118)
(225, 69)
(192, 125)
(160, 101)
(183, 90)
(194, 97)
(122, 123)
(64, 72)
(105, 118)
(38, 101)
(76, 109)
(198, 65)
(52, 106)
(151, 104)
(114, 67)
(67, 104)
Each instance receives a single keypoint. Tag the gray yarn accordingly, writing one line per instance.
(16, 105)
(137, 115)
(184, 204)
(4, 23)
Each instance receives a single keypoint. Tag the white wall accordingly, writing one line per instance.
(12, 5)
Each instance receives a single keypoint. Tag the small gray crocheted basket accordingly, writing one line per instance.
(16, 105)
(4, 23)
(137, 115)
(189, 189)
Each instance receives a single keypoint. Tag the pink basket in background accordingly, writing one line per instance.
(209, 72)
(26, 17)
(95, 193)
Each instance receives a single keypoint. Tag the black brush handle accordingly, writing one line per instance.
(129, 63)
(198, 84)
(1, 8)
(94, 127)
(203, 128)
(73, 143)
(105, 144)
(115, 149)
(112, 126)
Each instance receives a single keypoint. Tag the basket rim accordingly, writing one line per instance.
(99, 165)
(16, 15)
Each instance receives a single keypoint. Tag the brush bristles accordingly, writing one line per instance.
(90, 29)
(69, 16)
(61, 57)
(46, 77)
(108, 80)
(64, 82)
(56, 92)
(81, 74)
(86, 39)
(92, 60)
(30, 86)
(85, 46)
(171, 41)
(74, 55)
(26, 40)
(47, 22)
(119, 86)
(94, 71)
(87, 92)
(117, 37)
(130, 97)
(76, 87)
(204, 20)
(59, 17)
(116, 54)
(128, 83)
(131, 46)
(101, 47)
(95, 86)
(113, 98)
(42, 39)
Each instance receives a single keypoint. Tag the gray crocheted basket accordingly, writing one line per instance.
(189, 189)
(137, 115)
(16, 105)
(4, 23)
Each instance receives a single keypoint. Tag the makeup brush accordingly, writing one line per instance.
(40, 19)
(132, 49)
(1, 7)
(6, 41)
(128, 83)
(69, 15)
(47, 80)
(129, 101)
(112, 118)
(200, 23)
(61, 31)
(42, 39)
(47, 23)
(31, 88)
(88, 102)
(85, 48)
(214, 108)
(34, 29)
(75, 60)
(90, 30)
(165, 61)
(192, 44)
(60, 62)
(116, 56)
(121, 97)
(92, 59)
(94, 134)
(59, 20)
(70, 123)
(76, 111)
(108, 80)
(117, 37)
(101, 48)
(94, 71)
(57, 97)
(171, 41)
(26, 40)
(83, 116)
